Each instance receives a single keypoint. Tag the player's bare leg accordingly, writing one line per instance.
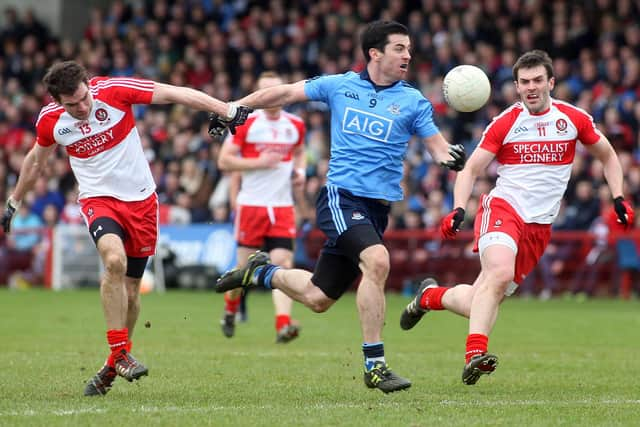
(370, 295)
(133, 303)
(112, 288)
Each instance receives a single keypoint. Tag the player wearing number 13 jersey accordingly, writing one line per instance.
(534, 144)
(92, 119)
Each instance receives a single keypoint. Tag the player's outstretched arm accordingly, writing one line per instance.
(169, 94)
(447, 155)
(33, 164)
(275, 96)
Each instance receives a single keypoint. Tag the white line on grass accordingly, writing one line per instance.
(323, 406)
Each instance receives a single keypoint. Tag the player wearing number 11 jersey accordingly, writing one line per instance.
(534, 144)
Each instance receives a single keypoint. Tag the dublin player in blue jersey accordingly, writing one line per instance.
(373, 115)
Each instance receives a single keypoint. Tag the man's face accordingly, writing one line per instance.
(534, 88)
(79, 104)
(394, 61)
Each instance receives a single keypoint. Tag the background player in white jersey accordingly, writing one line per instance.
(374, 114)
(534, 144)
(93, 120)
(269, 151)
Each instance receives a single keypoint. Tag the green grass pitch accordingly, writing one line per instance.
(562, 363)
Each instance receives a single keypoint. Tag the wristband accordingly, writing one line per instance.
(232, 110)
(13, 203)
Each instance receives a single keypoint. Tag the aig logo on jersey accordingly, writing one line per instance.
(363, 123)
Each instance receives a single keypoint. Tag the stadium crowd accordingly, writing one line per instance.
(220, 47)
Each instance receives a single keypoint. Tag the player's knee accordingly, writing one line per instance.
(501, 276)
(115, 264)
(375, 262)
(320, 305)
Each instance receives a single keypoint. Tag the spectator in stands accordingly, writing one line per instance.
(43, 196)
(584, 209)
(71, 212)
(363, 180)
(218, 29)
(534, 142)
(93, 120)
(26, 229)
(22, 246)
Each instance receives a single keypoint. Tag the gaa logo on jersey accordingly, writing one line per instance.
(101, 115)
(366, 124)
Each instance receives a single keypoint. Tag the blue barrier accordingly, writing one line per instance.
(200, 244)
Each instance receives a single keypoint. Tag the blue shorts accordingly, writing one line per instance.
(338, 210)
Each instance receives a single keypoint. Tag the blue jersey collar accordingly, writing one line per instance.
(364, 75)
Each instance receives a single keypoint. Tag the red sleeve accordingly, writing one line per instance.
(45, 124)
(495, 133)
(124, 90)
(587, 132)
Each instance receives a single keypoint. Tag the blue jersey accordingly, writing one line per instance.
(370, 130)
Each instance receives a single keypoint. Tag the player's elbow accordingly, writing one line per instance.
(223, 164)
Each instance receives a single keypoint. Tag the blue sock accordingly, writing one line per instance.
(263, 275)
(373, 352)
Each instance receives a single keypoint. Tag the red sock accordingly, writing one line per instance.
(118, 340)
(282, 320)
(231, 304)
(432, 298)
(476, 344)
(111, 361)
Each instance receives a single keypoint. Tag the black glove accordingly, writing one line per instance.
(217, 124)
(9, 211)
(459, 158)
(624, 211)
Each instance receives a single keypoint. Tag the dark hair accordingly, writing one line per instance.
(376, 35)
(532, 59)
(64, 78)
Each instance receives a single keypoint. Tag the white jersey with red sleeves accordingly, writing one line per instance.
(105, 151)
(535, 153)
(268, 187)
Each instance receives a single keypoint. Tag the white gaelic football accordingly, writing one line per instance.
(466, 88)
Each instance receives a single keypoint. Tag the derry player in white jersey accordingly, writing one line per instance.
(269, 152)
(93, 120)
(534, 143)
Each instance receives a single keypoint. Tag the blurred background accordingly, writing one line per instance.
(220, 47)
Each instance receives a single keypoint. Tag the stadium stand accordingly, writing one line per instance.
(221, 46)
